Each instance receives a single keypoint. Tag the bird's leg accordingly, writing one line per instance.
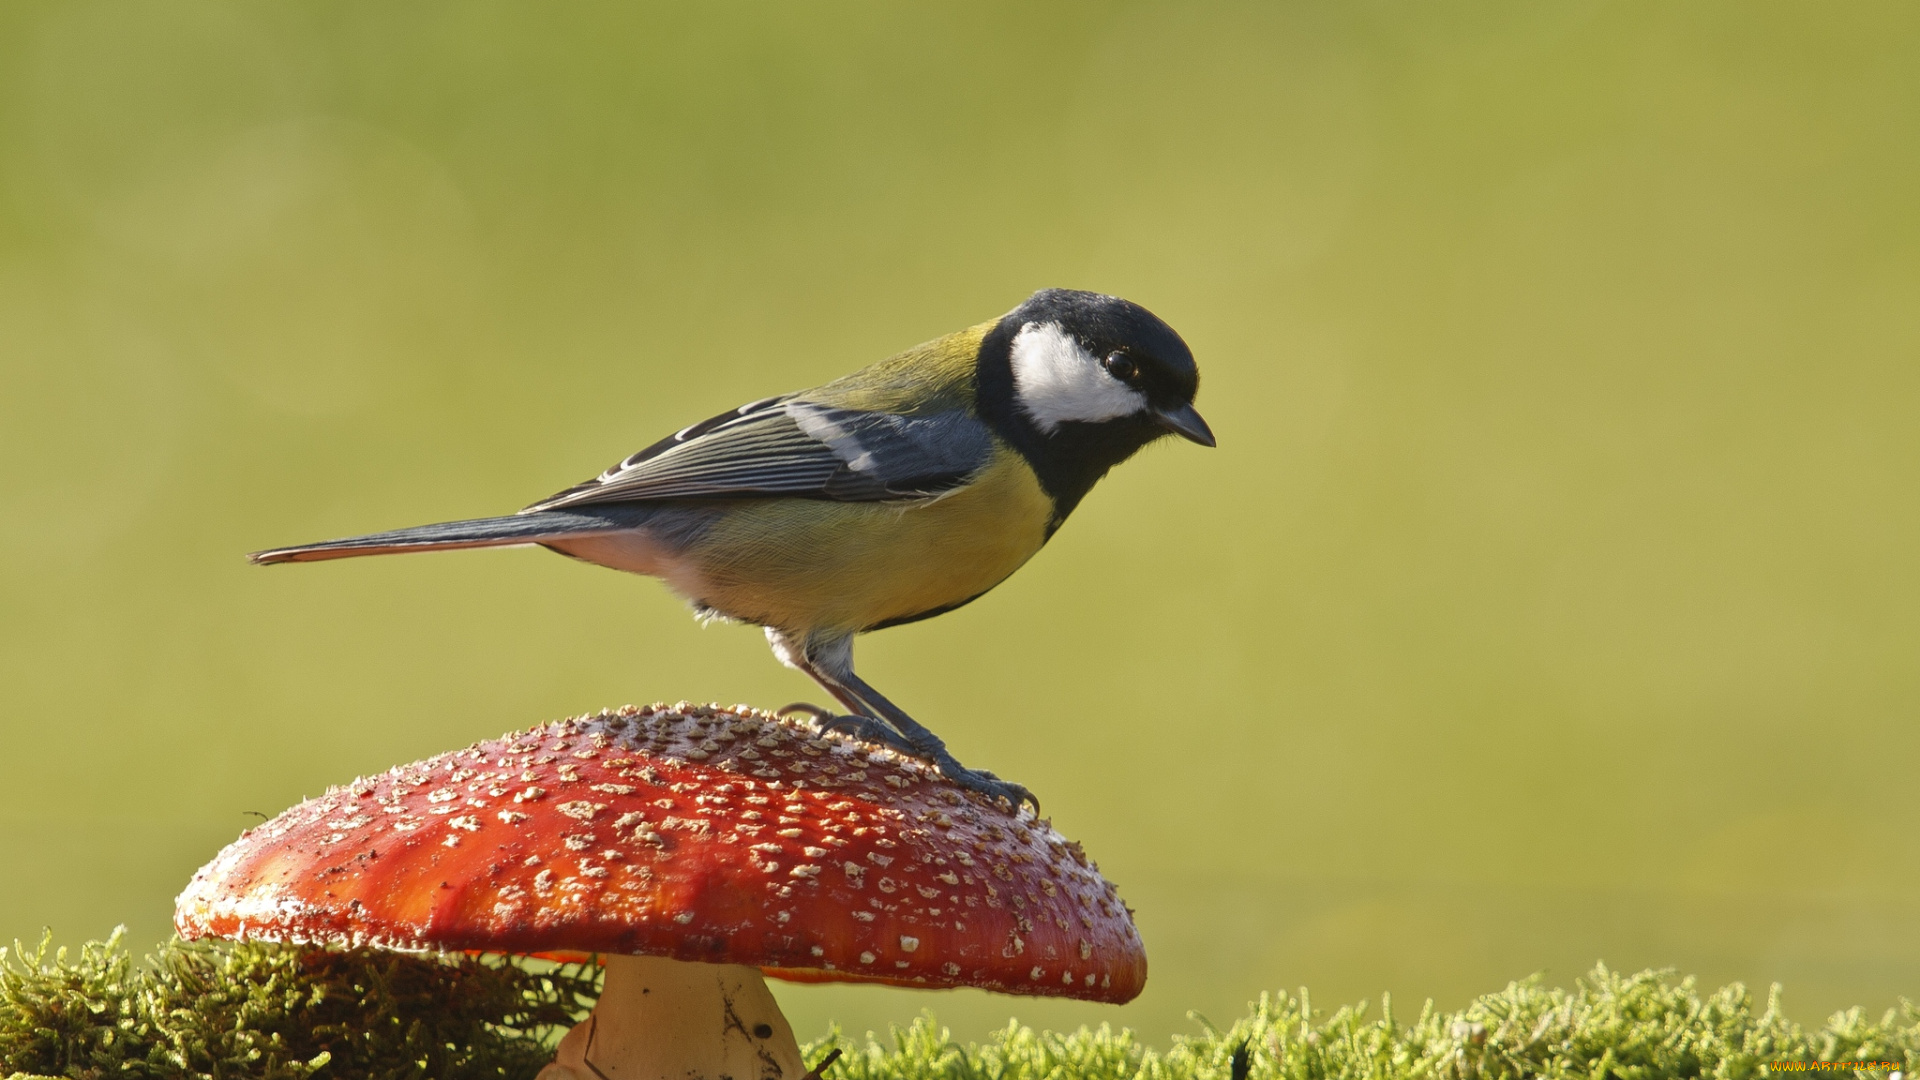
(863, 724)
(860, 723)
(931, 747)
(828, 660)
(867, 729)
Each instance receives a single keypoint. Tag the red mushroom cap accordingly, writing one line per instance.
(726, 836)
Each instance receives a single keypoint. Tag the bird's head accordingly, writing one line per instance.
(1084, 358)
(1080, 381)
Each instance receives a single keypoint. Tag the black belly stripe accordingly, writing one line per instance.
(930, 612)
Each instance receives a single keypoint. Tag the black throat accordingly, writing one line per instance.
(1068, 460)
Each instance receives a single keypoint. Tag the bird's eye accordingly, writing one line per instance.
(1120, 366)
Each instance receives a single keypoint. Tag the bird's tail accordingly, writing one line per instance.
(447, 536)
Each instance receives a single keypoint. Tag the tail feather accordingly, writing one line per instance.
(447, 536)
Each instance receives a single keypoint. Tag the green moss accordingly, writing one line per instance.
(264, 1011)
(277, 1013)
(1629, 1027)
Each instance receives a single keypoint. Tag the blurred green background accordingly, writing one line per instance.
(1551, 597)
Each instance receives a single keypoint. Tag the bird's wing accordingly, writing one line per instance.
(794, 447)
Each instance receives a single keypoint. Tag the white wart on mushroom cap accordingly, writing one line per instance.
(725, 836)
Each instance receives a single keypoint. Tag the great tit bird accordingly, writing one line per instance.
(894, 494)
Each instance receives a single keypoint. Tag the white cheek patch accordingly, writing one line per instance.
(1055, 380)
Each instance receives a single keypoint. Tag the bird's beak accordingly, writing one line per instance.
(1185, 422)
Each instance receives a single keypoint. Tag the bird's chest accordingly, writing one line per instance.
(816, 565)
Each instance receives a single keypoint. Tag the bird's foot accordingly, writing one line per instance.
(864, 728)
(985, 783)
(869, 730)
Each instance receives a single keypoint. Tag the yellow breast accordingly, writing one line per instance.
(811, 565)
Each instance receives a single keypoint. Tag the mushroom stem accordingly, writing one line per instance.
(661, 1018)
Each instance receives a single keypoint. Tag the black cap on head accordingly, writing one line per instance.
(1080, 381)
(1107, 324)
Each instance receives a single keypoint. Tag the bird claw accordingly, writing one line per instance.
(985, 783)
(867, 730)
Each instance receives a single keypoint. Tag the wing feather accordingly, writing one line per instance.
(794, 447)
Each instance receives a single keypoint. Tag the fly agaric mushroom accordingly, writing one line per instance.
(693, 848)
